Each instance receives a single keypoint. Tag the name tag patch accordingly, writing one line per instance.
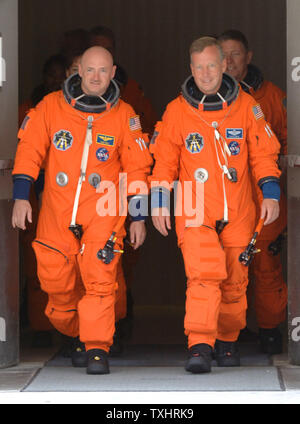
(107, 140)
(234, 133)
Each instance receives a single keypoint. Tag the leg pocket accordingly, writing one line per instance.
(59, 277)
(56, 269)
(202, 308)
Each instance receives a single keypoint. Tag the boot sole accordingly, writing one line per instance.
(198, 367)
(228, 363)
(97, 371)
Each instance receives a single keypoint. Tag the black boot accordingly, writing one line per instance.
(117, 347)
(78, 354)
(270, 340)
(200, 359)
(97, 362)
(227, 354)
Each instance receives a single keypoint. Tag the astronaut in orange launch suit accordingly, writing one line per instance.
(87, 137)
(270, 288)
(194, 143)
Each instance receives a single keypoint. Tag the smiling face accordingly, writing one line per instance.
(237, 58)
(207, 69)
(96, 70)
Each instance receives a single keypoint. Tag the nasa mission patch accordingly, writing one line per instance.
(62, 140)
(194, 143)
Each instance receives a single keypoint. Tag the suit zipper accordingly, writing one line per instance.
(52, 248)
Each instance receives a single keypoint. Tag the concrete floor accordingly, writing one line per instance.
(149, 372)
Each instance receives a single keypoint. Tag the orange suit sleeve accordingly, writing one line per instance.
(263, 146)
(134, 153)
(166, 146)
(34, 142)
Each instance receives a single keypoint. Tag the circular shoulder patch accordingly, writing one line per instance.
(62, 140)
(194, 143)
(102, 154)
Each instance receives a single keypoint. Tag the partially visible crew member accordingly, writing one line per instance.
(270, 289)
(131, 91)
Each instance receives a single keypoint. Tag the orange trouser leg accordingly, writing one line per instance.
(205, 267)
(232, 315)
(270, 288)
(97, 307)
(59, 276)
(36, 298)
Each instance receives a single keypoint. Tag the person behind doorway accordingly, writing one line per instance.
(193, 145)
(86, 136)
(270, 290)
(131, 91)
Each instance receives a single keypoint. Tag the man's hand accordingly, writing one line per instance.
(137, 231)
(21, 210)
(161, 220)
(269, 210)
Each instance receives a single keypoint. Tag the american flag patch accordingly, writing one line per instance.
(25, 120)
(134, 123)
(258, 113)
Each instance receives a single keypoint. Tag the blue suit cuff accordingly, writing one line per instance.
(271, 190)
(21, 189)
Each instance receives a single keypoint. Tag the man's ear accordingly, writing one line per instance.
(249, 56)
(224, 65)
(192, 68)
(80, 69)
(113, 71)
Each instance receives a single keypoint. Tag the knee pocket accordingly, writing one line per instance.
(233, 292)
(202, 307)
(56, 270)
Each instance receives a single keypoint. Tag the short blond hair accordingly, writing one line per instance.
(200, 44)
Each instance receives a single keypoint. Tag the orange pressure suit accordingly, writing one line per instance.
(55, 131)
(270, 287)
(192, 145)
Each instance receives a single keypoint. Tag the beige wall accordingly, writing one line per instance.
(153, 35)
